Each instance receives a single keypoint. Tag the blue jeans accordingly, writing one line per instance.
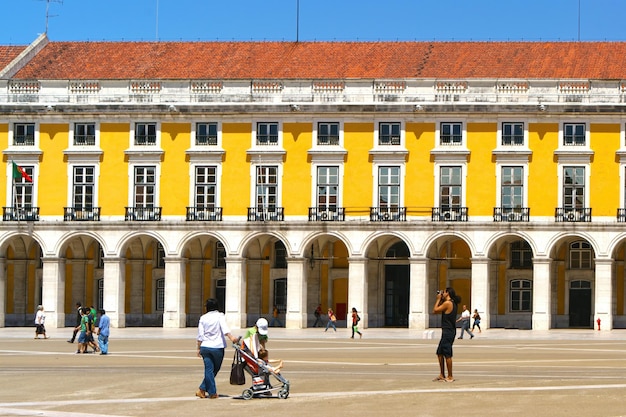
(103, 341)
(465, 328)
(212, 358)
(331, 323)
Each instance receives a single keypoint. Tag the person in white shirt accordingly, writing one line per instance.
(465, 323)
(211, 342)
(40, 319)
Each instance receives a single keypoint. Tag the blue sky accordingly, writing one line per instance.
(21, 21)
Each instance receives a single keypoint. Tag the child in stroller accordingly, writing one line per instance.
(261, 373)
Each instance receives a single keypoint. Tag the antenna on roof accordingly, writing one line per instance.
(578, 20)
(297, 20)
(48, 11)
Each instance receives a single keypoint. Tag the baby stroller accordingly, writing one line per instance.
(261, 375)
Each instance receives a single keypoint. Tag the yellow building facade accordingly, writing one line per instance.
(145, 195)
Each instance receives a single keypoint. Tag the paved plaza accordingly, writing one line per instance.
(154, 372)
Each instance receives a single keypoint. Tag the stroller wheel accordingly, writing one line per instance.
(283, 394)
(247, 394)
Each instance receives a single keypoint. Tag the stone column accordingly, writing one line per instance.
(418, 294)
(480, 290)
(603, 294)
(357, 290)
(174, 315)
(3, 291)
(114, 290)
(542, 292)
(296, 315)
(235, 307)
(53, 291)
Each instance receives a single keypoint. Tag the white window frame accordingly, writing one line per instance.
(377, 144)
(375, 174)
(131, 182)
(12, 135)
(70, 185)
(9, 180)
(278, 145)
(573, 147)
(157, 142)
(72, 134)
(523, 146)
(314, 168)
(560, 176)
(499, 166)
(279, 182)
(194, 134)
(462, 145)
(316, 123)
(192, 183)
(438, 166)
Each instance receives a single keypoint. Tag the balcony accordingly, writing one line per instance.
(16, 214)
(327, 214)
(80, 214)
(387, 214)
(449, 214)
(511, 214)
(143, 214)
(621, 215)
(204, 214)
(572, 215)
(265, 214)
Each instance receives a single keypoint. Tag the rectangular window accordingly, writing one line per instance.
(573, 187)
(206, 187)
(23, 190)
(512, 187)
(84, 134)
(521, 255)
(267, 133)
(84, 185)
(206, 134)
(327, 133)
(280, 293)
(451, 134)
(388, 187)
(327, 187)
(24, 134)
(574, 134)
(521, 295)
(145, 186)
(266, 187)
(450, 188)
(389, 133)
(580, 255)
(145, 134)
(160, 294)
(512, 134)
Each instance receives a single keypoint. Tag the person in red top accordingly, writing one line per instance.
(355, 323)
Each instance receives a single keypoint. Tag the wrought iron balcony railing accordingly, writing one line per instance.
(387, 214)
(78, 214)
(327, 214)
(449, 214)
(143, 214)
(206, 214)
(571, 215)
(264, 214)
(511, 214)
(29, 214)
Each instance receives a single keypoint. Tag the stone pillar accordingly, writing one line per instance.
(542, 292)
(53, 291)
(357, 290)
(480, 290)
(174, 315)
(296, 315)
(3, 291)
(418, 294)
(114, 290)
(603, 294)
(235, 308)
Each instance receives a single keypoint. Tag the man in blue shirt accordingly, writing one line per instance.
(103, 332)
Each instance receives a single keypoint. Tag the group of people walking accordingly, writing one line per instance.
(89, 323)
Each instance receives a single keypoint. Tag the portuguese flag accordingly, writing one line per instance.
(18, 172)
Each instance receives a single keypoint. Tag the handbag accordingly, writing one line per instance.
(333, 318)
(237, 374)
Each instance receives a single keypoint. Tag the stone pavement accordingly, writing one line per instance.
(154, 372)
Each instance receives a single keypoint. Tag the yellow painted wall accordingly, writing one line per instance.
(481, 174)
(358, 181)
(296, 186)
(543, 184)
(235, 172)
(53, 178)
(604, 195)
(175, 139)
(113, 181)
(420, 179)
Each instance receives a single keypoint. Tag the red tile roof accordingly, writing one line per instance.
(8, 54)
(327, 60)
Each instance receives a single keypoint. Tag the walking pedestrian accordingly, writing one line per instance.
(318, 316)
(103, 332)
(40, 319)
(355, 323)
(79, 316)
(465, 323)
(476, 323)
(331, 319)
(275, 319)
